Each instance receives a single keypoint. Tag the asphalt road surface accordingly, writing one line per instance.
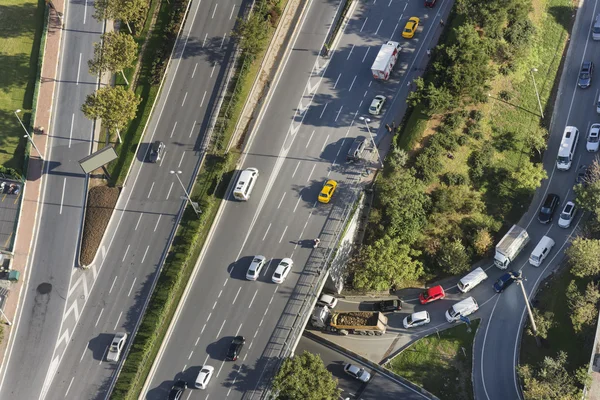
(300, 141)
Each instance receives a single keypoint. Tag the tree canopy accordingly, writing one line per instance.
(583, 257)
(128, 11)
(115, 106)
(551, 380)
(116, 52)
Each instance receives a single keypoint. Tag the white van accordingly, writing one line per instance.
(568, 145)
(471, 280)
(461, 309)
(596, 28)
(245, 184)
(541, 251)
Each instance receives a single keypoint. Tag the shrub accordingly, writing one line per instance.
(428, 164)
(453, 120)
(476, 115)
(454, 178)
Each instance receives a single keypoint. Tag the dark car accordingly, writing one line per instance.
(156, 151)
(585, 75)
(357, 148)
(389, 305)
(235, 348)
(548, 208)
(505, 281)
(177, 390)
(430, 3)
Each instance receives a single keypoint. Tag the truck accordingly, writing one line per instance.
(385, 60)
(389, 305)
(349, 322)
(510, 246)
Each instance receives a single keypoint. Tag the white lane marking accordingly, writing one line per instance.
(283, 234)
(352, 84)
(390, 3)
(220, 293)
(220, 329)
(71, 131)
(131, 288)
(252, 301)
(225, 283)
(62, 199)
(311, 172)
(138, 223)
(223, 41)
(212, 71)
(366, 52)
(163, 157)
(78, 71)
(394, 31)
(181, 159)
(146, 252)
(372, 81)
(296, 169)
(100, 315)
(205, 36)
(280, 201)
(269, 227)
(151, 187)
(238, 331)
(197, 340)
(85, 11)
(201, 103)
(337, 80)
(324, 108)
(70, 383)
(220, 368)
(325, 143)
(236, 295)
(363, 25)
(297, 202)
(359, 104)
(194, 72)
(379, 26)
(365, 95)
(194, 125)
(338, 113)
(171, 188)
(118, 319)
(83, 353)
(214, 11)
(309, 139)
(349, 54)
(232, 8)
(175, 126)
(113, 284)
(126, 251)
(157, 221)
(190, 356)
(184, 97)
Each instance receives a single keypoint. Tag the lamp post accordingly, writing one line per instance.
(531, 71)
(366, 121)
(187, 195)
(27, 135)
(519, 278)
(6, 318)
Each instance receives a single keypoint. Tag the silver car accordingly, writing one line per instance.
(377, 105)
(593, 139)
(116, 347)
(255, 267)
(567, 215)
(357, 373)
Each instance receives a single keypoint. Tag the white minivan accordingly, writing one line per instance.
(462, 309)
(568, 146)
(471, 280)
(541, 251)
(245, 184)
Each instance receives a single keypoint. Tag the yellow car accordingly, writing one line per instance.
(327, 191)
(410, 28)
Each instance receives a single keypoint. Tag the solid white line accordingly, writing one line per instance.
(252, 301)
(175, 126)
(365, 56)
(113, 284)
(363, 26)
(151, 187)
(69, 388)
(379, 26)
(157, 221)
(232, 8)
(325, 143)
(349, 54)
(71, 131)
(184, 97)
(269, 227)
(236, 295)
(125, 255)
(352, 84)
(336, 81)
(296, 169)
(146, 252)
(100, 315)
(283, 234)
(214, 11)
(78, 70)
(181, 160)
(213, 70)
(201, 103)
(194, 72)
(311, 172)
(310, 138)
(280, 201)
(85, 11)
(131, 288)
(118, 319)
(222, 325)
(138, 223)
(338, 114)
(62, 199)
(297, 202)
(324, 108)
(171, 188)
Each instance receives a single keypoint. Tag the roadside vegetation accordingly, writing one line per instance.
(22, 24)
(440, 363)
(466, 159)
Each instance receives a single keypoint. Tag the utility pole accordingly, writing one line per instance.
(27, 135)
(187, 195)
(531, 71)
(520, 280)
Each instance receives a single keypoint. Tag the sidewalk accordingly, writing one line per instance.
(31, 192)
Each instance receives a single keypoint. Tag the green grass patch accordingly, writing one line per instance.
(440, 363)
(21, 29)
(412, 131)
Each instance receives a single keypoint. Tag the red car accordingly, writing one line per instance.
(430, 3)
(432, 294)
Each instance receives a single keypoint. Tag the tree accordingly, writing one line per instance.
(583, 306)
(454, 257)
(115, 106)
(115, 52)
(543, 322)
(304, 377)
(482, 241)
(128, 11)
(583, 257)
(588, 193)
(528, 176)
(550, 380)
(386, 263)
(252, 34)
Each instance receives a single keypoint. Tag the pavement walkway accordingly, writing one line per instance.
(32, 188)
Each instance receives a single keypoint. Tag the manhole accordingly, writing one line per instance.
(44, 288)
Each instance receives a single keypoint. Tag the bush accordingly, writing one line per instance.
(428, 164)
(454, 178)
(448, 141)
(479, 162)
(476, 115)
(453, 120)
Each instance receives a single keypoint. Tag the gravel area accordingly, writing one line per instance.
(100, 206)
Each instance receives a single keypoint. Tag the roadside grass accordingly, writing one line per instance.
(561, 337)
(21, 29)
(441, 363)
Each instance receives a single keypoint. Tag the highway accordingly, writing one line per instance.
(498, 339)
(301, 139)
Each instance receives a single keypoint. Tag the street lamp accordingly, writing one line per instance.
(187, 195)
(519, 278)
(366, 121)
(531, 71)
(6, 318)
(27, 134)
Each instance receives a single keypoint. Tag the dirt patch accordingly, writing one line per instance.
(100, 205)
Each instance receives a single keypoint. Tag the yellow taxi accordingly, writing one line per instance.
(410, 28)
(327, 191)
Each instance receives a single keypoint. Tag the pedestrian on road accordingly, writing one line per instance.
(388, 127)
(442, 23)
(428, 52)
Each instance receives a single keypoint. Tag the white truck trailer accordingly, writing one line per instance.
(385, 60)
(510, 246)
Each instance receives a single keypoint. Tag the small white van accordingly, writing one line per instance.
(245, 184)
(596, 28)
(471, 280)
(568, 145)
(541, 251)
(462, 309)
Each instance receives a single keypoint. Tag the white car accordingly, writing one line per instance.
(255, 267)
(327, 300)
(416, 319)
(593, 139)
(206, 372)
(377, 105)
(567, 215)
(116, 347)
(283, 269)
(357, 373)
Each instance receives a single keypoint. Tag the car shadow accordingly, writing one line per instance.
(99, 345)
(218, 350)
(162, 391)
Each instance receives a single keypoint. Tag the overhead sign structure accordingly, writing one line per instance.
(98, 159)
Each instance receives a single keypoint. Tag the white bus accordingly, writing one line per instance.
(245, 184)
(568, 145)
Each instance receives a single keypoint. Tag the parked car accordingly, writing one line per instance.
(394, 305)
(505, 281)
(257, 264)
(177, 390)
(410, 28)
(357, 372)
(593, 138)
(416, 319)
(327, 191)
(235, 348)
(432, 294)
(327, 300)
(156, 151)
(585, 74)
(206, 372)
(430, 3)
(567, 215)
(377, 105)
(548, 207)
(282, 270)
(357, 149)
(116, 347)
